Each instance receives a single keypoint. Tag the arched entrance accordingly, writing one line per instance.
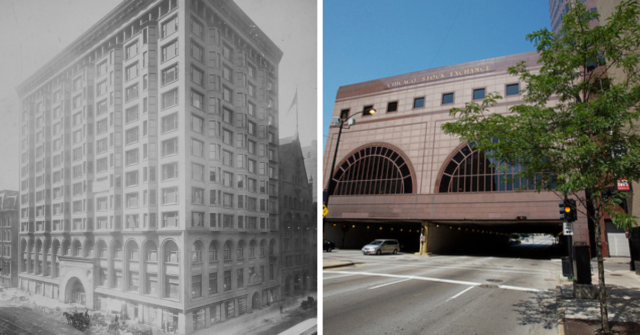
(255, 301)
(75, 292)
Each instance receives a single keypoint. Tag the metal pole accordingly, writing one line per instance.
(333, 163)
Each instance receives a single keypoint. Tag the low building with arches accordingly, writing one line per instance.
(397, 175)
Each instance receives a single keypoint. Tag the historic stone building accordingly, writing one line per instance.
(149, 165)
(299, 224)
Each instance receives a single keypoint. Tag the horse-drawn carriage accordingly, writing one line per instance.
(78, 320)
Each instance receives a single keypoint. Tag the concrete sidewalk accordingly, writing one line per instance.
(623, 296)
(335, 264)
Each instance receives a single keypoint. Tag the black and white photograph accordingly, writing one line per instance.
(159, 167)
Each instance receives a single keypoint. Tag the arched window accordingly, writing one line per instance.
(263, 248)
(102, 249)
(151, 252)
(373, 170)
(213, 251)
(471, 171)
(228, 246)
(171, 252)
(252, 248)
(240, 250)
(132, 251)
(196, 254)
(77, 247)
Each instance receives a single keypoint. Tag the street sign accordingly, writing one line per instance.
(567, 228)
(623, 184)
(325, 211)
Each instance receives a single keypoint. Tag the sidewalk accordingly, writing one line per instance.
(335, 264)
(623, 300)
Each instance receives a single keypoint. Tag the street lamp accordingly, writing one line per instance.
(350, 122)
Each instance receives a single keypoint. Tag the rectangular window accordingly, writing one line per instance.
(131, 157)
(131, 178)
(197, 172)
(197, 75)
(478, 94)
(131, 50)
(131, 135)
(170, 98)
(447, 98)
(169, 195)
(227, 200)
(227, 284)
(227, 115)
(418, 102)
(213, 283)
(131, 92)
(197, 100)
(170, 219)
(170, 122)
(101, 89)
(170, 147)
(226, 51)
(170, 26)
(240, 276)
(227, 137)
(197, 124)
(226, 73)
(196, 28)
(169, 51)
(226, 94)
(513, 89)
(102, 107)
(131, 71)
(131, 114)
(196, 51)
(227, 158)
(197, 220)
(101, 126)
(197, 148)
(170, 74)
(131, 200)
(196, 286)
(251, 107)
(393, 106)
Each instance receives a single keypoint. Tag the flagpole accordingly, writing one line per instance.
(297, 131)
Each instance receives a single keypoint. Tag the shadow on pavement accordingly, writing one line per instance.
(540, 308)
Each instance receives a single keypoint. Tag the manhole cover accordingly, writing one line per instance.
(495, 280)
(616, 275)
(488, 286)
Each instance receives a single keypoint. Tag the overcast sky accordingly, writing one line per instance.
(34, 31)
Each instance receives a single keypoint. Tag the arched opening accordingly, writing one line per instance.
(252, 248)
(133, 258)
(55, 264)
(375, 169)
(75, 292)
(213, 251)
(76, 248)
(103, 256)
(240, 250)
(263, 248)
(171, 260)
(38, 257)
(228, 246)
(151, 261)
(255, 301)
(196, 253)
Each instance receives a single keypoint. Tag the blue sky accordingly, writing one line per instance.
(370, 39)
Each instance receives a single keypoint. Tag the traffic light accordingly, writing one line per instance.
(568, 210)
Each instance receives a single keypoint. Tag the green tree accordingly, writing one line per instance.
(575, 135)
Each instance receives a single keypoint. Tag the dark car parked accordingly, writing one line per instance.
(328, 246)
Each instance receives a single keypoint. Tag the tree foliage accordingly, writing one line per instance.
(576, 133)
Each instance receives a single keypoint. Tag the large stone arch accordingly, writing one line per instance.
(374, 168)
(77, 275)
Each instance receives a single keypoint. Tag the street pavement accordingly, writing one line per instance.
(438, 294)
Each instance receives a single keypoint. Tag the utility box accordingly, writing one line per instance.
(566, 267)
(582, 264)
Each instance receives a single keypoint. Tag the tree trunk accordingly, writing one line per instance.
(602, 291)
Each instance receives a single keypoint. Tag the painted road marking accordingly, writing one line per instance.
(334, 277)
(461, 293)
(391, 283)
(440, 280)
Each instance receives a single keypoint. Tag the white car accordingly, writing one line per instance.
(381, 246)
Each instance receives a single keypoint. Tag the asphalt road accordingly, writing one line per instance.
(24, 321)
(408, 294)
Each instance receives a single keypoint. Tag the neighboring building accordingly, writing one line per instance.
(397, 174)
(299, 222)
(557, 8)
(310, 154)
(149, 167)
(9, 227)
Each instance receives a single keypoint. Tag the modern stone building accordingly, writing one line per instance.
(149, 167)
(9, 227)
(397, 175)
(299, 222)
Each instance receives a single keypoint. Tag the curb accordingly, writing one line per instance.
(337, 265)
(560, 307)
